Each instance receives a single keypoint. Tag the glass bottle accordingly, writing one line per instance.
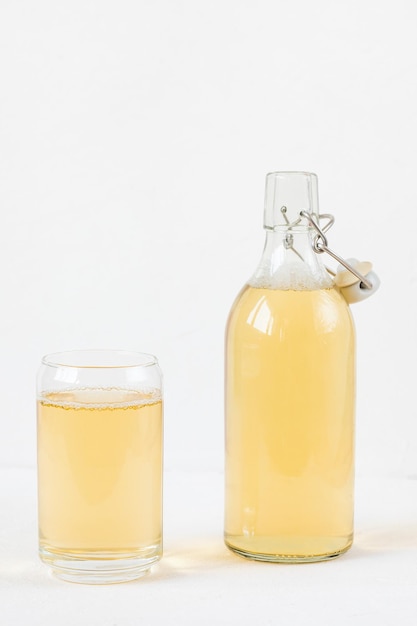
(289, 394)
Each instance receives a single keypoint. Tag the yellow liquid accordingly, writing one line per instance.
(100, 474)
(289, 425)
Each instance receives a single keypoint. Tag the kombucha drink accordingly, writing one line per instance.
(289, 424)
(100, 475)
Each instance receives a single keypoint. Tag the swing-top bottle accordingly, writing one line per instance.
(290, 393)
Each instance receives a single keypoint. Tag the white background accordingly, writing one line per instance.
(135, 137)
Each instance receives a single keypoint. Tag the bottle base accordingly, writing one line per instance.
(287, 557)
(99, 568)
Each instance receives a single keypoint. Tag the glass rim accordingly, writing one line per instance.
(99, 359)
(292, 173)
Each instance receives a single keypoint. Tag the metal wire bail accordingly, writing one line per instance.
(320, 245)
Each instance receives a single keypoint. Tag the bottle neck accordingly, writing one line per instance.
(289, 261)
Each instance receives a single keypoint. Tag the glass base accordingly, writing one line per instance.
(288, 558)
(99, 568)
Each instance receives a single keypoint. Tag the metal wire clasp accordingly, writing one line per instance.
(320, 245)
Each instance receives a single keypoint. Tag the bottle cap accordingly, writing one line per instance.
(345, 278)
(351, 287)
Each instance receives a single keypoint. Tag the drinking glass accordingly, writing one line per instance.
(100, 457)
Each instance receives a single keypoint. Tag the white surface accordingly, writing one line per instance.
(199, 581)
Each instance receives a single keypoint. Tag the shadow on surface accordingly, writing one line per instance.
(191, 558)
(387, 538)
